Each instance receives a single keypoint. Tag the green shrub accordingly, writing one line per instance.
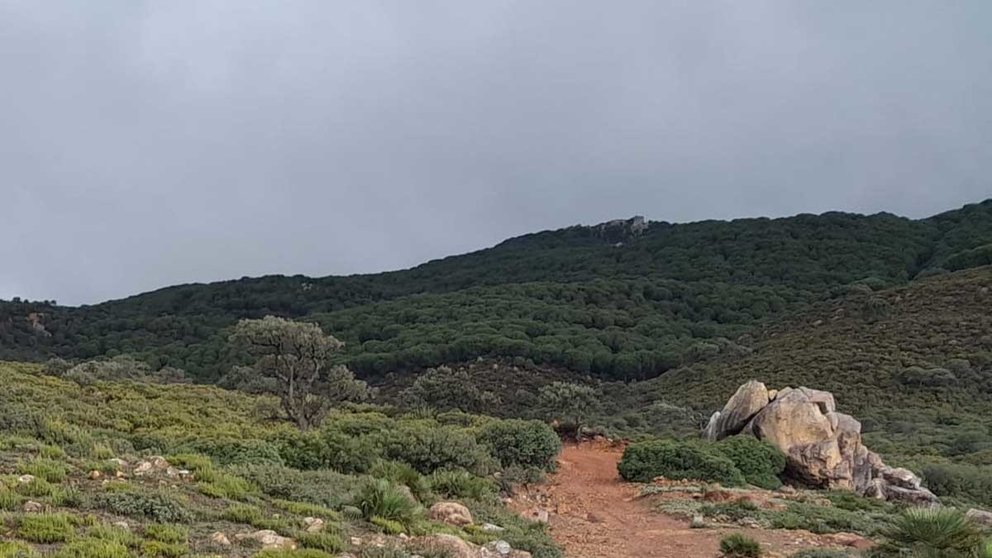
(676, 459)
(51, 452)
(760, 462)
(166, 533)
(113, 533)
(325, 488)
(401, 473)
(966, 482)
(460, 484)
(9, 500)
(305, 509)
(738, 545)
(37, 488)
(430, 448)
(157, 506)
(388, 526)
(301, 553)
(381, 498)
(159, 549)
(328, 542)
(66, 497)
(47, 469)
(15, 549)
(524, 443)
(821, 553)
(93, 548)
(943, 532)
(735, 510)
(383, 552)
(226, 486)
(46, 527)
(243, 513)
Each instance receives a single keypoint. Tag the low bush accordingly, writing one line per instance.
(325, 488)
(167, 533)
(299, 553)
(305, 509)
(524, 443)
(93, 548)
(430, 447)
(388, 526)
(381, 498)
(460, 484)
(821, 553)
(971, 483)
(401, 473)
(943, 532)
(760, 462)
(243, 513)
(739, 546)
(15, 549)
(328, 542)
(675, 459)
(114, 534)
(159, 549)
(47, 469)
(46, 527)
(157, 506)
(226, 486)
(37, 488)
(9, 500)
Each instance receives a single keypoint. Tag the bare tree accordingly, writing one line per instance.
(293, 360)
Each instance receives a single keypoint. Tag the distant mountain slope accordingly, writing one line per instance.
(624, 299)
(914, 362)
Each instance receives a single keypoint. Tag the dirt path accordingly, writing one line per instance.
(594, 515)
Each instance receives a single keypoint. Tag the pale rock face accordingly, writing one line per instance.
(981, 517)
(314, 524)
(268, 539)
(823, 448)
(220, 539)
(745, 403)
(451, 513)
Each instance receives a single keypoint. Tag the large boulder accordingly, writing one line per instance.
(823, 447)
(451, 513)
(746, 402)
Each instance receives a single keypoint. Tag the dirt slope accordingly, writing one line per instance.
(595, 515)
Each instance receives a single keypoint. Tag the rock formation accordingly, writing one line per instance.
(823, 448)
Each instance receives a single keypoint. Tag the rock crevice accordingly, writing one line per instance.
(823, 447)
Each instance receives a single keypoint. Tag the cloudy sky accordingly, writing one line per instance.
(144, 144)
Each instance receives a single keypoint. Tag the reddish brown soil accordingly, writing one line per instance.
(595, 515)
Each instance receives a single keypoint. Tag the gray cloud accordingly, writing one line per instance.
(152, 143)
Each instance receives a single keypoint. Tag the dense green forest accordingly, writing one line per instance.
(619, 300)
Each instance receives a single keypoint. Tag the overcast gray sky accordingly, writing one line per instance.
(144, 144)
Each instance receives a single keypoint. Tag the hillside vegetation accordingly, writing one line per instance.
(624, 300)
(82, 474)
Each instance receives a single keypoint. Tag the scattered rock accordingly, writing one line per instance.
(698, 522)
(501, 548)
(451, 513)
(123, 525)
(152, 465)
(313, 524)
(823, 448)
(539, 515)
(221, 539)
(33, 507)
(119, 463)
(490, 528)
(24, 479)
(268, 539)
(981, 517)
(449, 545)
(95, 475)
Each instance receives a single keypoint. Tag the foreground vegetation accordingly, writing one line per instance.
(94, 488)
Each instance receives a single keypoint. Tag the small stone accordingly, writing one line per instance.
(501, 548)
(698, 522)
(123, 525)
(95, 475)
(33, 507)
(24, 479)
(491, 528)
(451, 513)
(539, 515)
(313, 524)
(221, 539)
(355, 541)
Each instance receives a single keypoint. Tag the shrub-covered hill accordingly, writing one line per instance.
(914, 363)
(79, 476)
(622, 300)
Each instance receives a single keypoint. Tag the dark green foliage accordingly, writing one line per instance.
(46, 527)
(327, 542)
(760, 462)
(522, 443)
(568, 298)
(738, 545)
(383, 499)
(325, 488)
(966, 482)
(430, 447)
(942, 532)
(676, 460)
(460, 484)
(155, 505)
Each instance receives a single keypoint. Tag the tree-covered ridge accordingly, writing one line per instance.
(611, 300)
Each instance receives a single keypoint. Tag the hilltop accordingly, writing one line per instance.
(623, 300)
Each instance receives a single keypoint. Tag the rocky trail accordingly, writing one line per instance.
(592, 514)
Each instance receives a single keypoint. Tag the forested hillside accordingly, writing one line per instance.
(623, 300)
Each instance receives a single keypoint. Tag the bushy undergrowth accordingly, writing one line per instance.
(732, 462)
(522, 443)
(937, 532)
(738, 545)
